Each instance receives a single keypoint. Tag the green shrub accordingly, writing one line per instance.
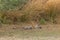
(11, 4)
(42, 21)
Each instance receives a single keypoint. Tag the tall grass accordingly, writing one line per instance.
(33, 11)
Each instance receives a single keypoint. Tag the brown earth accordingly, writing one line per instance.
(14, 32)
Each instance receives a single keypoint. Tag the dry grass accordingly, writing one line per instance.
(35, 10)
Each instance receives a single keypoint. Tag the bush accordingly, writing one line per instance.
(11, 4)
(42, 21)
